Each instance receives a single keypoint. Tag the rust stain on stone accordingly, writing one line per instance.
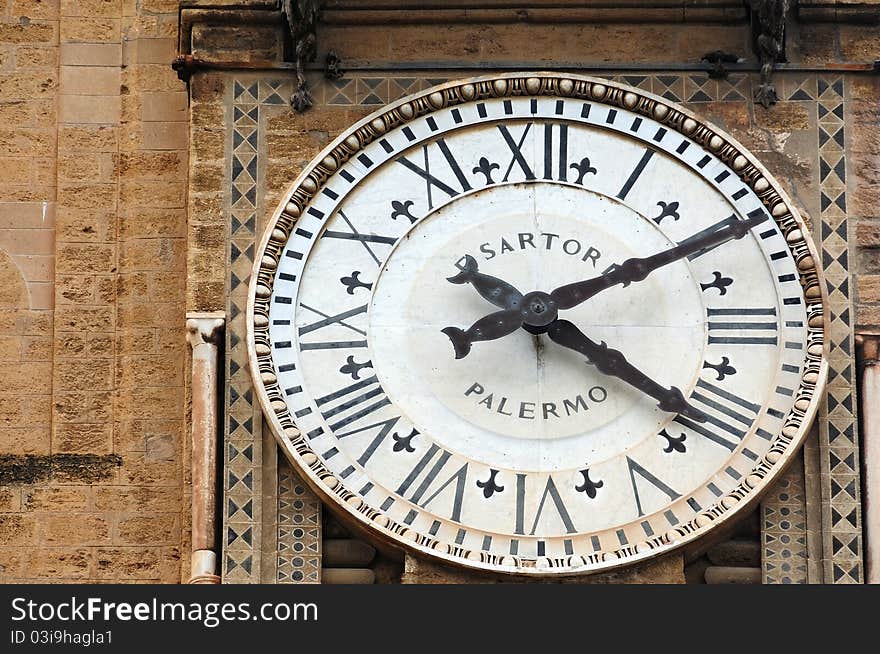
(29, 468)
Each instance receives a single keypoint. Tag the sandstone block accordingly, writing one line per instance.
(137, 499)
(83, 438)
(36, 57)
(163, 106)
(17, 529)
(33, 439)
(90, 80)
(70, 406)
(347, 576)
(346, 553)
(86, 258)
(58, 563)
(26, 32)
(72, 318)
(869, 288)
(729, 575)
(164, 135)
(149, 530)
(58, 498)
(736, 553)
(91, 54)
(91, 30)
(26, 142)
(94, 138)
(89, 109)
(105, 8)
(74, 529)
(867, 315)
(868, 234)
(126, 563)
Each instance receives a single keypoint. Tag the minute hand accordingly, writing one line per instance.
(614, 363)
(635, 270)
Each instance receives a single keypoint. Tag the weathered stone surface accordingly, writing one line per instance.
(868, 288)
(335, 576)
(665, 570)
(346, 553)
(731, 575)
(742, 553)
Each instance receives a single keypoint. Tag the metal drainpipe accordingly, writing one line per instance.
(868, 345)
(203, 333)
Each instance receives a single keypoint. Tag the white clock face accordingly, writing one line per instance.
(649, 338)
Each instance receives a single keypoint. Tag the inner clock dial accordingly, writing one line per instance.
(523, 402)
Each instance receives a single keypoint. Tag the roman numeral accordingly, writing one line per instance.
(364, 239)
(714, 399)
(640, 167)
(761, 325)
(516, 149)
(425, 482)
(358, 400)
(327, 321)
(385, 428)
(460, 479)
(635, 468)
(562, 154)
(431, 181)
(550, 491)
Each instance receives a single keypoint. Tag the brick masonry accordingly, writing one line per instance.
(92, 215)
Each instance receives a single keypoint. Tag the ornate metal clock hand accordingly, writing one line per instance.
(613, 362)
(487, 328)
(518, 309)
(635, 270)
(496, 291)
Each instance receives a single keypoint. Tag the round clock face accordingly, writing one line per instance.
(537, 324)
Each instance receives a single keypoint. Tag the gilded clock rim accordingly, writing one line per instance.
(535, 84)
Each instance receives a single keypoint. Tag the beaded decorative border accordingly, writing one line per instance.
(309, 183)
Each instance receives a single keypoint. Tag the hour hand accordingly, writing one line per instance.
(613, 363)
(496, 291)
(487, 328)
(637, 269)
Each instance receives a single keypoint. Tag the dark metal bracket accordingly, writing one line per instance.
(333, 66)
(718, 59)
(302, 21)
(768, 42)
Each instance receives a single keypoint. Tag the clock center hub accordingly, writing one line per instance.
(537, 310)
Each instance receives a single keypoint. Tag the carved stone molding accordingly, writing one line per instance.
(839, 11)
(203, 329)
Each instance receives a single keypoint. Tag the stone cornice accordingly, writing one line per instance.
(838, 11)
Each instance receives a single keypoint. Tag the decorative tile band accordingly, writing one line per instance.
(838, 441)
(297, 510)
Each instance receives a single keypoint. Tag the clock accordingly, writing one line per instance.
(537, 324)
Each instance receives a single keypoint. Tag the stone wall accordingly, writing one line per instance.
(92, 202)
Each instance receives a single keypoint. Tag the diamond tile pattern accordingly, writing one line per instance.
(784, 529)
(839, 449)
(242, 464)
(298, 529)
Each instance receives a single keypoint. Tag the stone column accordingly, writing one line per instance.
(868, 345)
(203, 333)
